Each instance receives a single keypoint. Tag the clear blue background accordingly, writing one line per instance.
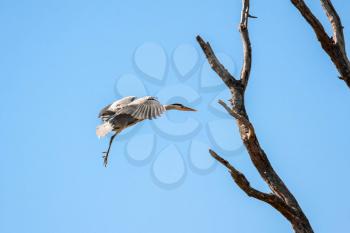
(58, 65)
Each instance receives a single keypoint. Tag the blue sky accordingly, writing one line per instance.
(59, 64)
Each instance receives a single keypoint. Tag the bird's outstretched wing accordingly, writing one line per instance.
(147, 107)
(112, 108)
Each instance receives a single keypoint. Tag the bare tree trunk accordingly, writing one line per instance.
(280, 197)
(334, 46)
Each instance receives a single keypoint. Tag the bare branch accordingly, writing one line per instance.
(243, 183)
(241, 180)
(333, 46)
(247, 49)
(239, 117)
(313, 21)
(228, 79)
(280, 198)
(334, 19)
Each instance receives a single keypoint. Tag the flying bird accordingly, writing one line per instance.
(128, 111)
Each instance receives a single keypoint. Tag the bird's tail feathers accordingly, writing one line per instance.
(103, 129)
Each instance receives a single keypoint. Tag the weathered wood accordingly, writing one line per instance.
(334, 46)
(280, 197)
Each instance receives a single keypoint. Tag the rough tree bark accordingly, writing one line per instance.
(334, 46)
(280, 197)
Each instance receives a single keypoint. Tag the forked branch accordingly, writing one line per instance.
(280, 197)
(334, 46)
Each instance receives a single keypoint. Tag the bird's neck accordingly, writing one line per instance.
(170, 107)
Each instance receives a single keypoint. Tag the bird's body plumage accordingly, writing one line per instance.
(111, 109)
(128, 111)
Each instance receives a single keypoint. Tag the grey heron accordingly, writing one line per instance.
(128, 111)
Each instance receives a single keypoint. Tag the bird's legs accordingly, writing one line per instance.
(106, 153)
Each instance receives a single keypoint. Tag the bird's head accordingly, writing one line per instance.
(179, 107)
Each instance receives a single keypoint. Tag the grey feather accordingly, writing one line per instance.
(147, 107)
(112, 108)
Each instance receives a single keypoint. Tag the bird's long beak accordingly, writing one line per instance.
(188, 109)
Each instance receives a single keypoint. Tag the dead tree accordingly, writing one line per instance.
(333, 45)
(280, 197)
